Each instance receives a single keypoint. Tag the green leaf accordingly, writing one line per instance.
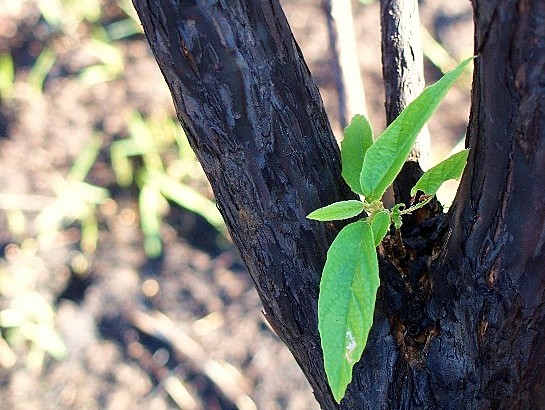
(149, 202)
(451, 168)
(337, 210)
(347, 302)
(384, 159)
(380, 224)
(358, 137)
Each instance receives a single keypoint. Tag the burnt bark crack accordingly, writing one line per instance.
(406, 286)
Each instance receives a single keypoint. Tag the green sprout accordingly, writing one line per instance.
(350, 278)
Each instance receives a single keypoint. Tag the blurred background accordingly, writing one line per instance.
(119, 286)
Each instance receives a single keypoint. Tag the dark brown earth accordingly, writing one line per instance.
(183, 330)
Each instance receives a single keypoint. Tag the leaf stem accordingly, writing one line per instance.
(419, 205)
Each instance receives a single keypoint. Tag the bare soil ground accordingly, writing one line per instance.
(184, 330)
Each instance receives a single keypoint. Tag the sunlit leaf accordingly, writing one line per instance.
(358, 137)
(346, 302)
(450, 168)
(380, 224)
(337, 211)
(384, 159)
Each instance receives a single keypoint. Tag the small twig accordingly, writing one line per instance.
(424, 200)
(336, 64)
(229, 381)
(346, 65)
(173, 385)
(403, 72)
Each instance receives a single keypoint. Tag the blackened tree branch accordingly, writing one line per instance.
(255, 119)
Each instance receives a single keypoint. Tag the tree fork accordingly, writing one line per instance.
(255, 119)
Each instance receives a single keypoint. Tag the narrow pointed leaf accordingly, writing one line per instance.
(451, 168)
(346, 302)
(384, 159)
(358, 137)
(337, 211)
(380, 224)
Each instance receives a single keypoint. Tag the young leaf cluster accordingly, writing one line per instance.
(350, 277)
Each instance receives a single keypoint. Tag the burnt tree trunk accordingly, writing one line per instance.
(460, 317)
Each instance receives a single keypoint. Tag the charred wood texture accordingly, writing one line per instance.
(255, 119)
(494, 257)
(460, 317)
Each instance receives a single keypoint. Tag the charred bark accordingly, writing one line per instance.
(494, 256)
(460, 314)
(255, 119)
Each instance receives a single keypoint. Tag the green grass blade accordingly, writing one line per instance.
(346, 302)
(358, 137)
(44, 63)
(150, 219)
(120, 163)
(140, 133)
(386, 156)
(86, 159)
(7, 76)
(187, 198)
(450, 168)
